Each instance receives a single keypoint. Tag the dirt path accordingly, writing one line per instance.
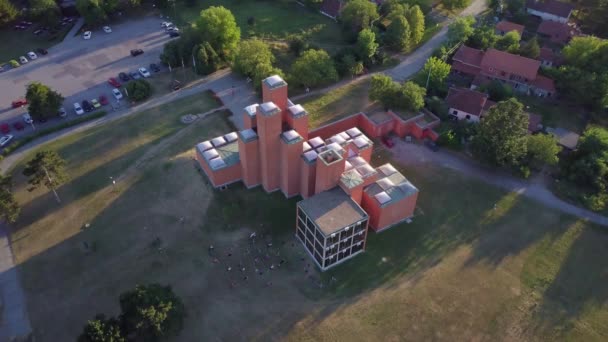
(418, 155)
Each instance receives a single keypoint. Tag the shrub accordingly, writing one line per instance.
(138, 90)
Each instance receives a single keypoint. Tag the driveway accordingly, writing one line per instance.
(412, 154)
(79, 69)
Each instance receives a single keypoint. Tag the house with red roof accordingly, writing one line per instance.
(503, 27)
(466, 104)
(519, 72)
(332, 8)
(557, 32)
(552, 10)
(548, 58)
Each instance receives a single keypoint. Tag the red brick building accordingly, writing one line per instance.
(329, 167)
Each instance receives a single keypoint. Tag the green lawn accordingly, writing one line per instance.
(18, 43)
(273, 19)
(556, 113)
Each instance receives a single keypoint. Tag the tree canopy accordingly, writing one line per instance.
(461, 29)
(366, 44)
(46, 168)
(139, 90)
(509, 42)
(543, 149)
(453, 4)
(8, 12)
(217, 26)
(502, 136)
(43, 102)
(92, 11)
(9, 208)
(398, 34)
(415, 18)
(436, 71)
(313, 68)
(254, 59)
(411, 96)
(392, 95)
(531, 48)
(483, 38)
(45, 11)
(358, 14)
(102, 329)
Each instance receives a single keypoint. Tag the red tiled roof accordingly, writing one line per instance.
(469, 101)
(555, 7)
(546, 54)
(557, 32)
(544, 83)
(331, 7)
(507, 26)
(469, 56)
(534, 121)
(465, 68)
(513, 64)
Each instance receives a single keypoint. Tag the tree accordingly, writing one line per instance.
(366, 44)
(509, 42)
(412, 96)
(358, 14)
(314, 68)
(350, 66)
(46, 168)
(398, 34)
(110, 6)
(8, 12)
(483, 38)
(91, 11)
(502, 137)
(102, 329)
(531, 48)
(9, 208)
(138, 90)
(543, 149)
(453, 4)
(383, 89)
(461, 29)
(45, 11)
(207, 59)
(415, 18)
(217, 26)
(152, 312)
(499, 91)
(436, 71)
(251, 53)
(43, 102)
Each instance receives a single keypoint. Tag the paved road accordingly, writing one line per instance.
(79, 69)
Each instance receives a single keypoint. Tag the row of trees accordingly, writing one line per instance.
(407, 96)
(148, 313)
(8, 12)
(96, 12)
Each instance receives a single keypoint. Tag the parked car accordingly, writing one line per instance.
(144, 72)
(27, 118)
(136, 52)
(42, 51)
(117, 94)
(154, 67)
(176, 85)
(31, 55)
(77, 109)
(432, 145)
(124, 77)
(19, 103)
(87, 106)
(95, 104)
(18, 126)
(164, 24)
(113, 82)
(5, 128)
(5, 140)
(174, 34)
(386, 140)
(87, 35)
(135, 75)
(62, 112)
(107, 29)
(38, 32)
(103, 100)
(23, 60)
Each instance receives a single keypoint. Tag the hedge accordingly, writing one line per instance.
(20, 142)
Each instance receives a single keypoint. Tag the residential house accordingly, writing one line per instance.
(506, 26)
(466, 104)
(565, 138)
(548, 58)
(557, 32)
(550, 10)
(519, 72)
(332, 8)
(534, 123)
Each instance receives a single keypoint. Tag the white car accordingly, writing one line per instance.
(27, 118)
(77, 109)
(5, 140)
(23, 60)
(87, 35)
(107, 29)
(32, 55)
(117, 94)
(144, 72)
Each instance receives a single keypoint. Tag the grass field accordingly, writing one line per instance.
(18, 43)
(477, 263)
(555, 113)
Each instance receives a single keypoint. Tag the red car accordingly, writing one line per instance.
(114, 82)
(18, 126)
(386, 140)
(5, 128)
(103, 100)
(19, 103)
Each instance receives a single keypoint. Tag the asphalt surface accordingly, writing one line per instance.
(79, 69)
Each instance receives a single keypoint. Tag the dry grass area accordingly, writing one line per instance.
(463, 270)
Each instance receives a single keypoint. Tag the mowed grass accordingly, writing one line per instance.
(272, 19)
(19, 43)
(556, 113)
(337, 103)
(476, 263)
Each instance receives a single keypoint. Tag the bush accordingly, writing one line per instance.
(139, 90)
(448, 139)
(297, 44)
(596, 202)
(524, 171)
(438, 107)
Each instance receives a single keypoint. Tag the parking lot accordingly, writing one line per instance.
(79, 69)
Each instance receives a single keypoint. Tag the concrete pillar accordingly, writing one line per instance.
(249, 155)
(297, 118)
(269, 131)
(274, 89)
(291, 150)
